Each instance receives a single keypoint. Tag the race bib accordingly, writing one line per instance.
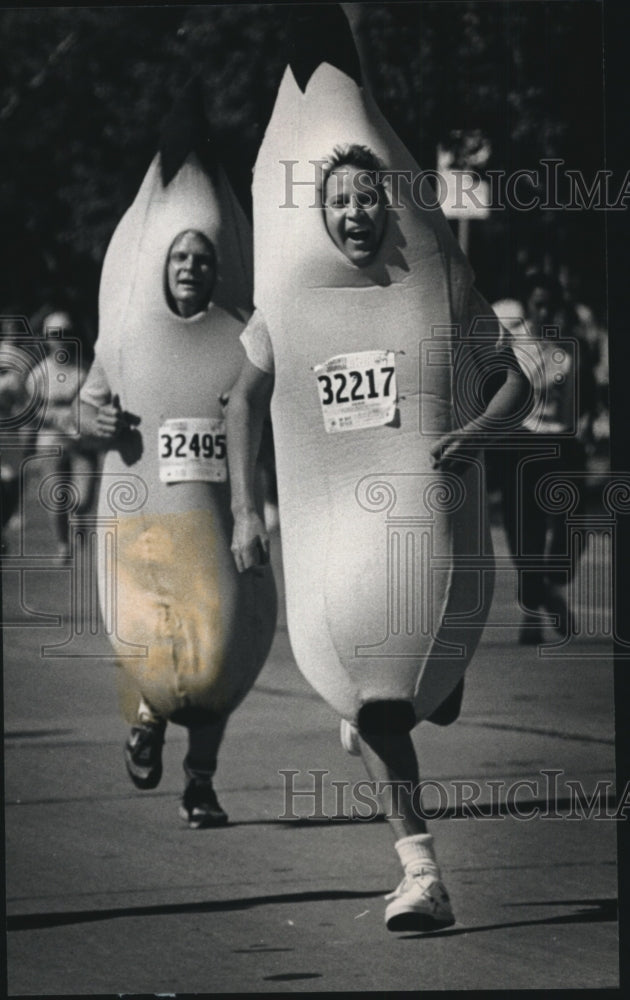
(192, 448)
(357, 390)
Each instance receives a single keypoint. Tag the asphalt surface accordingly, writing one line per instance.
(109, 892)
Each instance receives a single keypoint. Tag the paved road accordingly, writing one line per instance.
(108, 892)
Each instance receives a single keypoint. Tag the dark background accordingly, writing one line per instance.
(84, 92)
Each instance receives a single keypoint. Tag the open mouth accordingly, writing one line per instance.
(358, 235)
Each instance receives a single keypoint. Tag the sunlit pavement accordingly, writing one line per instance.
(108, 892)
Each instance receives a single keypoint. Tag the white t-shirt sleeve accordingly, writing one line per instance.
(257, 343)
(486, 322)
(95, 390)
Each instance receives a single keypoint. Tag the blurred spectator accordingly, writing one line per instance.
(596, 337)
(562, 415)
(14, 434)
(57, 379)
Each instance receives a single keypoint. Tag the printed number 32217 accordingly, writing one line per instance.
(348, 387)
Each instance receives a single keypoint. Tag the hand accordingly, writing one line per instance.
(448, 452)
(250, 542)
(111, 420)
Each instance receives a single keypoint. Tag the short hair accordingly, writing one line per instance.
(356, 156)
(361, 157)
(211, 249)
(193, 232)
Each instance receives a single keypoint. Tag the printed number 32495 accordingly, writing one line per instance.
(199, 445)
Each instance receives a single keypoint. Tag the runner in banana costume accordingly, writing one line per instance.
(360, 343)
(191, 634)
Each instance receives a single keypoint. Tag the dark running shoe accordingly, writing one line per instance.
(200, 806)
(143, 754)
(450, 708)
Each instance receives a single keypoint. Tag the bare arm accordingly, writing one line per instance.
(496, 421)
(249, 404)
(503, 412)
(101, 417)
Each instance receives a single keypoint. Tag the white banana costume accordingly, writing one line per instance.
(384, 600)
(206, 630)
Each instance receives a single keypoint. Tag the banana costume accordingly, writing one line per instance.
(206, 630)
(377, 547)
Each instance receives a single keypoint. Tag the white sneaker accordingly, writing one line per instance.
(349, 738)
(420, 903)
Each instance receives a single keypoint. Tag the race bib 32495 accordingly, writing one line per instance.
(192, 448)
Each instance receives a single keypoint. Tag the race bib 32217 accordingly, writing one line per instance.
(357, 390)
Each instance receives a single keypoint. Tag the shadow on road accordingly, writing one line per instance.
(34, 921)
(606, 806)
(595, 911)
(592, 911)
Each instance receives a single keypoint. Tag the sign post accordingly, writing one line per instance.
(467, 196)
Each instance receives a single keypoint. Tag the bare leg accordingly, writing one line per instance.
(84, 476)
(421, 901)
(391, 759)
(60, 518)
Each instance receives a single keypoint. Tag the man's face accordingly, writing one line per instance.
(191, 273)
(354, 213)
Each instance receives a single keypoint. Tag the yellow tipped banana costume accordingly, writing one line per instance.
(377, 546)
(207, 630)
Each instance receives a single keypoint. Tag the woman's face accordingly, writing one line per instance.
(191, 272)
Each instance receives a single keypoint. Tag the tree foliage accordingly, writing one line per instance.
(84, 92)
